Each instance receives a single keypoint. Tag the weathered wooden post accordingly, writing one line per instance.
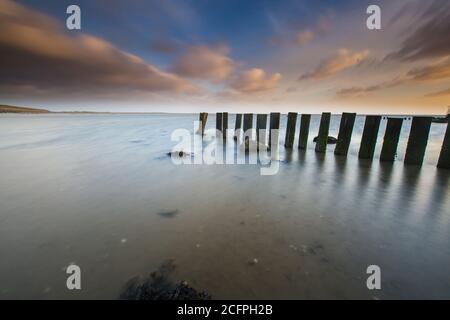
(200, 119)
(219, 124)
(274, 125)
(224, 125)
(391, 138)
(444, 157)
(261, 124)
(322, 137)
(417, 141)
(237, 126)
(345, 133)
(248, 122)
(203, 118)
(369, 137)
(290, 129)
(304, 131)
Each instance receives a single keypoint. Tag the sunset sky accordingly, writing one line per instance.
(226, 55)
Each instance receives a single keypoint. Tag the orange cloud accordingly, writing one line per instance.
(36, 52)
(203, 62)
(343, 59)
(255, 80)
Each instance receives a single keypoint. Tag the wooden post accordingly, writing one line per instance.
(391, 138)
(219, 123)
(322, 138)
(237, 126)
(369, 137)
(224, 125)
(444, 157)
(261, 124)
(202, 119)
(248, 122)
(290, 129)
(274, 125)
(345, 133)
(417, 141)
(304, 131)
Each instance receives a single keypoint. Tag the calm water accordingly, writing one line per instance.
(100, 191)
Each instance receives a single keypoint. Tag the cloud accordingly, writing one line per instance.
(439, 93)
(206, 63)
(430, 39)
(36, 52)
(359, 91)
(304, 37)
(255, 80)
(356, 91)
(343, 59)
(434, 72)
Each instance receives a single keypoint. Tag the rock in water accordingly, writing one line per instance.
(156, 289)
(168, 213)
(159, 287)
(179, 154)
(330, 140)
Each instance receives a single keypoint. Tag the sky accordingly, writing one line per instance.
(226, 55)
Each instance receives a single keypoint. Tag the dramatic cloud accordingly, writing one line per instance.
(203, 62)
(255, 80)
(431, 38)
(344, 59)
(36, 53)
(304, 37)
(175, 61)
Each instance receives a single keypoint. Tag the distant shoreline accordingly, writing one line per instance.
(7, 109)
(14, 109)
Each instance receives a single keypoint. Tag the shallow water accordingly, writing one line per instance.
(100, 191)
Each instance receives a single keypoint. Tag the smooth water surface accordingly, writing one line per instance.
(100, 191)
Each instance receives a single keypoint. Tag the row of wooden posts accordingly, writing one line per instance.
(415, 151)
